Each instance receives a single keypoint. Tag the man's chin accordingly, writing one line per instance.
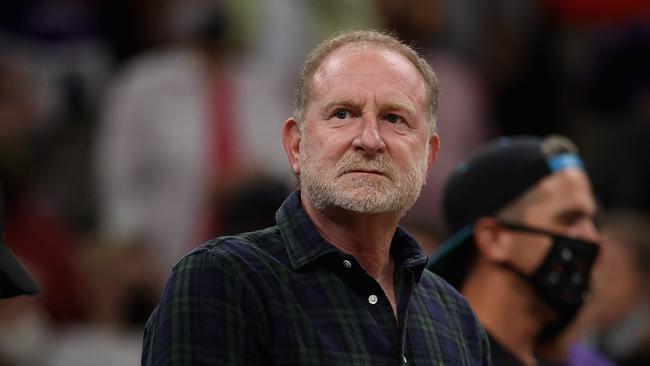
(366, 200)
(362, 195)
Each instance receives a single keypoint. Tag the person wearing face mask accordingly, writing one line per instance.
(521, 214)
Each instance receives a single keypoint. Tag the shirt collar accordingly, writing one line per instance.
(305, 245)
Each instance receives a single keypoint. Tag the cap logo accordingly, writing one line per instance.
(565, 161)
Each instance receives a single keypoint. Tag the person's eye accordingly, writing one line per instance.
(392, 118)
(341, 114)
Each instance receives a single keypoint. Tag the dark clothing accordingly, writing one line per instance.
(501, 356)
(285, 296)
(579, 355)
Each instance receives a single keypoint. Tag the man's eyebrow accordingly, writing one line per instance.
(393, 106)
(572, 213)
(399, 106)
(339, 102)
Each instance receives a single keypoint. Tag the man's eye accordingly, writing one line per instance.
(341, 114)
(392, 118)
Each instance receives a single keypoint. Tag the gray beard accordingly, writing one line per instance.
(394, 192)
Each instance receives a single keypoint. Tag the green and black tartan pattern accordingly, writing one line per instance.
(285, 296)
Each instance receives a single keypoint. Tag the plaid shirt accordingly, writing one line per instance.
(285, 296)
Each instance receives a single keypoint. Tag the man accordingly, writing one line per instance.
(522, 211)
(14, 279)
(335, 282)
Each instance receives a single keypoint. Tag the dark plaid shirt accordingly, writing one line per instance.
(285, 296)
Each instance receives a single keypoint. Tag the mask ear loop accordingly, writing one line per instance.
(522, 228)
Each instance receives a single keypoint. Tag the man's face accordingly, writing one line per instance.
(562, 203)
(365, 144)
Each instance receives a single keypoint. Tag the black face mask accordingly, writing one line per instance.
(562, 280)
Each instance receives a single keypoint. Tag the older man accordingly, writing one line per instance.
(336, 281)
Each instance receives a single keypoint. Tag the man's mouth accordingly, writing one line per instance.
(364, 171)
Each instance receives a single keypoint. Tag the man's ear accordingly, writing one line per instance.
(291, 140)
(490, 240)
(434, 147)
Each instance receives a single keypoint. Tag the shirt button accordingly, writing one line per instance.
(404, 361)
(347, 263)
(372, 299)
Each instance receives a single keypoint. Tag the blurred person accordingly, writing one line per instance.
(621, 311)
(120, 286)
(521, 211)
(34, 223)
(50, 88)
(172, 141)
(16, 104)
(336, 281)
(22, 320)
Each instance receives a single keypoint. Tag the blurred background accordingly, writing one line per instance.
(133, 130)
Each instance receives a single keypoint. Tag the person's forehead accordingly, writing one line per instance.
(367, 61)
(572, 179)
(568, 189)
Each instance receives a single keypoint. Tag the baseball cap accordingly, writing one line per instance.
(492, 178)
(14, 278)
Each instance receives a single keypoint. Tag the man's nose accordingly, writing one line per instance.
(587, 230)
(369, 138)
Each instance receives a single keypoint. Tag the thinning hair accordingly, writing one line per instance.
(361, 39)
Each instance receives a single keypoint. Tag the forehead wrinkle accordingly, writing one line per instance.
(334, 72)
(345, 81)
(400, 102)
(349, 102)
(337, 79)
(399, 66)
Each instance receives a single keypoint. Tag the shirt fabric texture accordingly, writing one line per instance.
(285, 296)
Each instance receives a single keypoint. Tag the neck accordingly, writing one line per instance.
(507, 307)
(367, 237)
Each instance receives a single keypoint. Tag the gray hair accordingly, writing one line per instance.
(359, 38)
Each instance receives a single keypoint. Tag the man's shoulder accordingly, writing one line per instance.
(245, 249)
(445, 295)
(453, 316)
(433, 281)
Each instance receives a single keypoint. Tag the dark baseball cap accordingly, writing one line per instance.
(493, 177)
(14, 278)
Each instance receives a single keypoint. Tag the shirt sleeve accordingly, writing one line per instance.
(207, 315)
